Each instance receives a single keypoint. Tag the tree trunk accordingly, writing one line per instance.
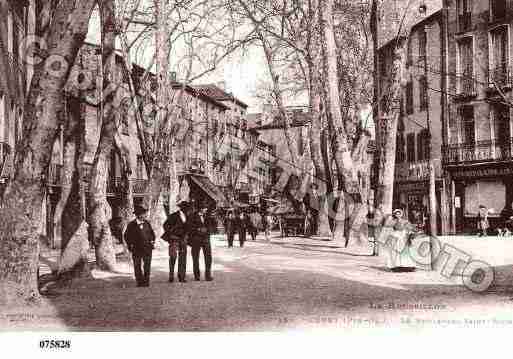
(386, 137)
(126, 204)
(21, 213)
(99, 210)
(159, 170)
(73, 228)
(315, 132)
(98, 213)
(279, 101)
(387, 118)
(341, 150)
(322, 180)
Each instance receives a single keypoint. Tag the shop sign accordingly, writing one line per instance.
(483, 172)
(413, 186)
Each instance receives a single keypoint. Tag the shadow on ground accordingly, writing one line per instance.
(252, 291)
(240, 298)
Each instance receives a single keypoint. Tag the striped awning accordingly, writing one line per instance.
(210, 189)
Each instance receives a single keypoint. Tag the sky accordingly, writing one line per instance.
(240, 73)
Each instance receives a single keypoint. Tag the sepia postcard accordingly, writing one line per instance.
(336, 167)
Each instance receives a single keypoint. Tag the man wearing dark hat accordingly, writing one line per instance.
(176, 232)
(202, 227)
(140, 239)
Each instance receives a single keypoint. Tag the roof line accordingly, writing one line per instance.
(229, 96)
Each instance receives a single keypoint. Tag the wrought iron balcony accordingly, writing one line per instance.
(500, 76)
(466, 86)
(481, 151)
(138, 185)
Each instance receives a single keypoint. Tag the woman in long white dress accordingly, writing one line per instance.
(398, 255)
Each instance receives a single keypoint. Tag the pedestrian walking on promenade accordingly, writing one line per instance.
(140, 239)
(202, 227)
(399, 259)
(254, 223)
(230, 226)
(482, 221)
(371, 231)
(242, 226)
(176, 232)
(307, 226)
(268, 223)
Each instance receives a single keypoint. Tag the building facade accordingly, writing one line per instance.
(272, 146)
(419, 132)
(207, 121)
(464, 87)
(477, 155)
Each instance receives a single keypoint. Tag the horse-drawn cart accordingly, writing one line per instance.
(292, 225)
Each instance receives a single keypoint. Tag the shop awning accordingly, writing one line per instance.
(210, 189)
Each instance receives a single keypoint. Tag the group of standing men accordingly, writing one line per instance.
(182, 228)
(242, 224)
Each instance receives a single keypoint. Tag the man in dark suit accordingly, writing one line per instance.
(242, 225)
(176, 233)
(201, 226)
(230, 226)
(140, 239)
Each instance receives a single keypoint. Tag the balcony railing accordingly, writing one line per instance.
(491, 150)
(499, 76)
(465, 22)
(138, 185)
(466, 86)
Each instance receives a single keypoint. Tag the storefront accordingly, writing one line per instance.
(413, 198)
(490, 185)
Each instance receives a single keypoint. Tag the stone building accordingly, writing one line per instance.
(419, 132)
(477, 155)
(232, 166)
(468, 99)
(208, 120)
(272, 146)
(274, 155)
